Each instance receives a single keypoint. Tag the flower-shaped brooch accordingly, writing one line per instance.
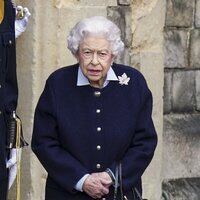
(123, 79)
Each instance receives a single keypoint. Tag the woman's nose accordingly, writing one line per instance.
(95, 60)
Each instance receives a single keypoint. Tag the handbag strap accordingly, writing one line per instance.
(138, 193)
(119, 173)
(120, 181)
(116, 183)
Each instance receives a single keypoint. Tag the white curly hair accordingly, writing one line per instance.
(97, 25)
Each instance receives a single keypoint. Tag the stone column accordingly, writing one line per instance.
(148, 19)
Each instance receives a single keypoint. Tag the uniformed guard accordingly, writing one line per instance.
(8, 84)
(11, 139)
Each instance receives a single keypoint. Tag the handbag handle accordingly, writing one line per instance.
(118, 177)
(116, 183)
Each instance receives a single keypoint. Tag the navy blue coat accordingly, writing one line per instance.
(68, 128)
(8, 84)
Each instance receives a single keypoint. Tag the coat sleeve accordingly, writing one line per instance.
(61, 166)
(141, 150)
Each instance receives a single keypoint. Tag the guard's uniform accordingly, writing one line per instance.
(8, 85)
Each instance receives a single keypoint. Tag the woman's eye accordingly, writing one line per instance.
(102, 54)
(87, 53)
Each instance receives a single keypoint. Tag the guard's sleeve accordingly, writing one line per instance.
(9, 68)
(61, 166)
(9, 86)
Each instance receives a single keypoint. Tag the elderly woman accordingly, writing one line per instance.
(93, 130)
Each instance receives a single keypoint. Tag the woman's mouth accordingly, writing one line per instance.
(94, 72)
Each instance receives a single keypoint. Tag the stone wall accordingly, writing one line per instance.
(42, 49)
(181, 137)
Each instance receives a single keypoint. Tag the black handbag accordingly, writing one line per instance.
(118, 186)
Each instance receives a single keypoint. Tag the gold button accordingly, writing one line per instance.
(98, 129)
(98, 166)
(98, 147)
(97, 93)
(98, 111)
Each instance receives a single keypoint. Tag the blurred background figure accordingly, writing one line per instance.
(9, 92)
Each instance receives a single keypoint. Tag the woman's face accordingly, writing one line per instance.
(95, 58)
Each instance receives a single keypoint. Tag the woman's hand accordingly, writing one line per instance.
(97, 185)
